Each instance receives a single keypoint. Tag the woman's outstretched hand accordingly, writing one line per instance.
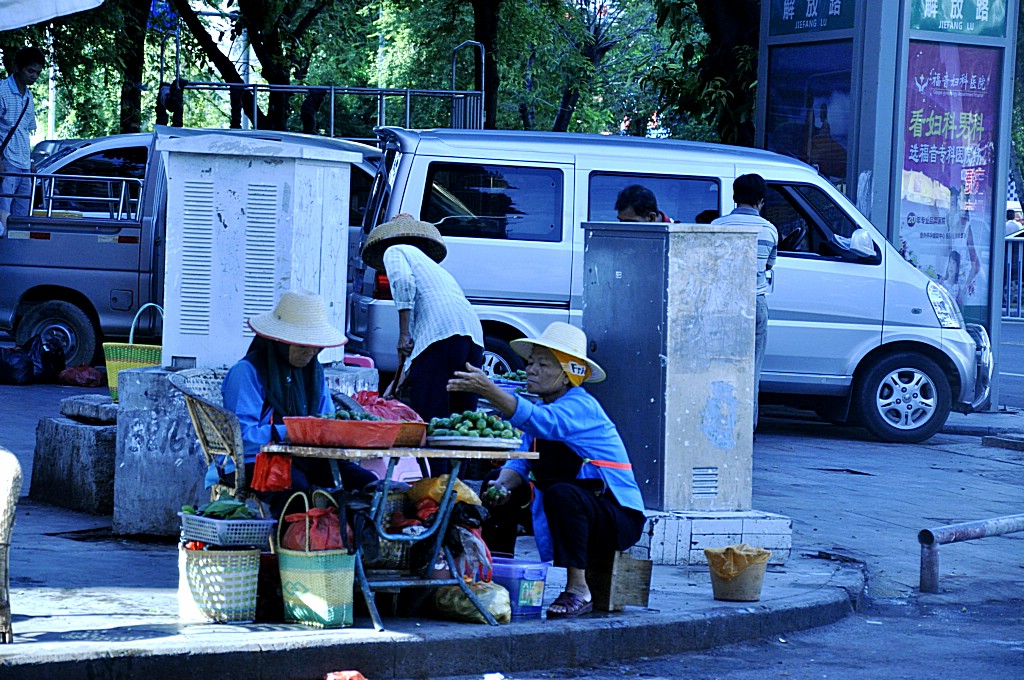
(474, 380)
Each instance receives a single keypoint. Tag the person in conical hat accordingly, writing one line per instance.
(280, 376)
(586, 500)
(438, 329)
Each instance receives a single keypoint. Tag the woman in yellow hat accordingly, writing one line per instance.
(281, 376)
(586, 499)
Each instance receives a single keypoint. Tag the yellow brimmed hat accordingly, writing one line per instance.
(404, 228)
(300, 318)
(561, 337)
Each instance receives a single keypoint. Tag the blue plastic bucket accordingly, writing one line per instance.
(524, 580)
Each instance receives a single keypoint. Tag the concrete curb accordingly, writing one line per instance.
(459, 649)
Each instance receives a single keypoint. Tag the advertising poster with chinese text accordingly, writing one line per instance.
(946, 202)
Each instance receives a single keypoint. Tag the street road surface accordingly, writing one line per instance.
(865, 500)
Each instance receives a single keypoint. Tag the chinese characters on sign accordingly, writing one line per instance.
(802, 16)
(949, 134)
(963, 17)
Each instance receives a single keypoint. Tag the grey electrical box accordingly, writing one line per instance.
(669, 313)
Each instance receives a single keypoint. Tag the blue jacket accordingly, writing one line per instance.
(243, 394)
(577, 419)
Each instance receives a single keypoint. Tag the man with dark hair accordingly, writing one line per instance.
(17, 122)
(636, 203)
(748, 192)
(1012, 225)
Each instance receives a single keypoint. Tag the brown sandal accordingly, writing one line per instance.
(574, 606)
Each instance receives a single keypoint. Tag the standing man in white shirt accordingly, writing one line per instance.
(438, 329)
(748, 192)
(17, 122)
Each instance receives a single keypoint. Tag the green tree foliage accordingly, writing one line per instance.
(97, 67)
(713, 76)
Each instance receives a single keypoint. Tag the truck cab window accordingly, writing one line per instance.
(98, 197)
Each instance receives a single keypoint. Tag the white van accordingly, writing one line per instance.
(855, 329)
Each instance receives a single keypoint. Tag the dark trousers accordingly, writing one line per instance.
(582, 523)
(426, 385)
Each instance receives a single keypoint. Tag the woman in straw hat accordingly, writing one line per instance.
(438, 330)
(586, 499)
(281, 376)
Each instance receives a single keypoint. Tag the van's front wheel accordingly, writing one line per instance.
(62, 323)
(499, 357)
(904, 398)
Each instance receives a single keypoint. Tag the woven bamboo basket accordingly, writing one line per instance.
(317, 586)
(121, 356)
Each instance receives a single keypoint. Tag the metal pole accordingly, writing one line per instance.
(332, 111)
(929, 568)
(931, 539)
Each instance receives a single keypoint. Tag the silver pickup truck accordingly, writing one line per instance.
(91, 253)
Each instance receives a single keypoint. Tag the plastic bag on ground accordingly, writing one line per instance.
(433, 488)
(730, 561)
(47, 360)
(452, 603)
(15, 367)
(82, 376)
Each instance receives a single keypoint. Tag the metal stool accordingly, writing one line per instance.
(10, 488)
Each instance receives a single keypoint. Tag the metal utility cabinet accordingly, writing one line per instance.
(247, 220)
(669, 313)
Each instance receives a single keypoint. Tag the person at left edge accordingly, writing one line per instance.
(279, 376)
(17, 122)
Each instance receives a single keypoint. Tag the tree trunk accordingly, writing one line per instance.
(566, 109)
(219, 60)
(527, 112)
(485, 31)
(131, 49)
(730, 25)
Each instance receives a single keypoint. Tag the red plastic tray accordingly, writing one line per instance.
(352, 434)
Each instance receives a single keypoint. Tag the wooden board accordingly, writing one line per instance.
(495, 443)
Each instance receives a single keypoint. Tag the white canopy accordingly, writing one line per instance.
(19, 13)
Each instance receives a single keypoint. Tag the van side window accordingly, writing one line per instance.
(494, 201)
(682, 199)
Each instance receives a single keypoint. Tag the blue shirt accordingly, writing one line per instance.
(18, 154)
(243, 394)
(576, 419)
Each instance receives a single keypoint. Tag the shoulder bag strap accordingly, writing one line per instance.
(10, 133)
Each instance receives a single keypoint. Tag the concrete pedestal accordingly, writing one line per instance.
(73, 465)
(679, 537)
(159, 462)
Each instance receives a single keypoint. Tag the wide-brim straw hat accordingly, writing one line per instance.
(566, 339)
(300, 318)
(404, 228)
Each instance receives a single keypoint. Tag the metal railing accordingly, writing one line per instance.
(466, 106)
(1013, 278)
(114, 198)
(931, 539)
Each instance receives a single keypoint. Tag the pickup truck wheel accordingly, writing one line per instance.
(61, 323)
(499, 357)
(904, 398)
